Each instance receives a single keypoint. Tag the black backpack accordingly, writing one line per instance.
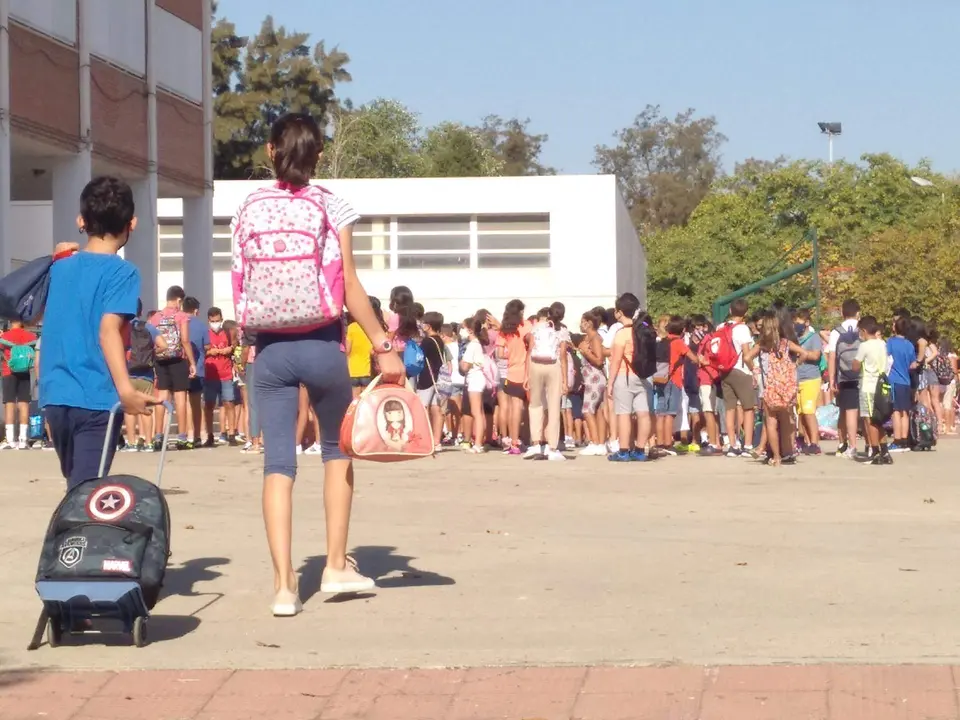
(644, 363)
(142, 353)
(115, 528)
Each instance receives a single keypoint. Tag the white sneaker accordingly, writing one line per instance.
(533, 451)
(613, 446)
(313, 450)
(348, 580)
(22, 445)
(286, 604)
(593, 450)
(6, 446)
(299, 450)
(555, 455)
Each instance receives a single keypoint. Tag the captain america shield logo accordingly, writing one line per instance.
(109, 503)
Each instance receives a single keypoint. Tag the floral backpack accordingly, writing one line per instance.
(287, 256)
(779, 378)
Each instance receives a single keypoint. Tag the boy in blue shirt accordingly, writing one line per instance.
(83, 367)
(904, 356)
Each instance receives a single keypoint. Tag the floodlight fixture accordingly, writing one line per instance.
(830, 129)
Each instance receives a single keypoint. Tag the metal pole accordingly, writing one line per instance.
(816, 279)
(830, 145)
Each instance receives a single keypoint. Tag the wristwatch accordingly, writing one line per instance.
(383, 348)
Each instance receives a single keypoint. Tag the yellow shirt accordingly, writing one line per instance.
(358, 361)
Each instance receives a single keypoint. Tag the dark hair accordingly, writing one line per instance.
(214, 312)
(849, 309)
(628, 304)
(297, 143)
(803, 315)
(479, 327)
(785, 318)
(191, 304)
(593, 318)
(901, 312)
(699, 320)
(558, 311)
(139, 307)
(576, 339)
(418, 310)
(401, 302)
(392, 406)
(433, 320)
(106, 206)
(738, 308)
(515, 306)
(902, 325)
(676, 325)
(448, 329)
(378, 311)
(869, 324)
(609, 316)
(512, 317)
(175, 292)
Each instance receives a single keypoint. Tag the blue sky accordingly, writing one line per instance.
(769, 70)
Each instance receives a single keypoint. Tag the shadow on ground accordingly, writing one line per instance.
(380, 562)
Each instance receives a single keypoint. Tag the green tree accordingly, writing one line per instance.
(280, 73)
(514, 146)
(455, 150)
(230, 115)
(377, 140)
(664, 167)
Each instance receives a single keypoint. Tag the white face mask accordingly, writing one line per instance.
(464, 333)
(216, 326)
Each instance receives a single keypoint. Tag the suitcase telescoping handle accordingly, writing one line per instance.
(117, 410)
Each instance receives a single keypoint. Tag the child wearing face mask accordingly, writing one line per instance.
(218, 377)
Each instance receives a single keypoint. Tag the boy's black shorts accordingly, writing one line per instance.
(16, 388)
(173, 375)
(78, 436)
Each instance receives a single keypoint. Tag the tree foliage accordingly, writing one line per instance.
(516, 149)
(664, 167)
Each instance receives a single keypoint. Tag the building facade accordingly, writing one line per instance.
(460, 244)
(95, 87)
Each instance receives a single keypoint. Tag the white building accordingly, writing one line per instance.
(105, 87)
(459, 244)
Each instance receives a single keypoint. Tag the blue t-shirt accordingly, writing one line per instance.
(146, 373)
(904, 354)
(199, 333)
(83, 288)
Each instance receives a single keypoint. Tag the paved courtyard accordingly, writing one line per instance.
(521, 590)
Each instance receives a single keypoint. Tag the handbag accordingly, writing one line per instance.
(386, 423)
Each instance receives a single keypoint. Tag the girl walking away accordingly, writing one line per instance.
(594, 383)
(632, 362)
(299, 337)
(779, 371)
(471, 364)
(546, 383)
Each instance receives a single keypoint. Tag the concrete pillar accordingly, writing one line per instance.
(142, 249)
(69, 178)
(5, 131)
(198, 248)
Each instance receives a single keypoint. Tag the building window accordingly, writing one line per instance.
(441, 242)
(371, 244)
(513, 241)
(171, 263)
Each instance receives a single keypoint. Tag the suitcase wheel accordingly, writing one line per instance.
(140, 631)
(54, 632)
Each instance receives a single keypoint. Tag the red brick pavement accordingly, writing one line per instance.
(844, 692)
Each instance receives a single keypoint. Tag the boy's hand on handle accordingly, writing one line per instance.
(391, 367)
(135, 402)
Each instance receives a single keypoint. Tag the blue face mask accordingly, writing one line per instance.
(800, 329)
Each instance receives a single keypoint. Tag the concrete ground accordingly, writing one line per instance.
(496, 561)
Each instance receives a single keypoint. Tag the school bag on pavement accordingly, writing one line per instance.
(847, 345)
(170, 330)
(142, 354)
(105, 552)
(780, 378)
(22, 356)
(923, 429)
(719, 351)
(290, 260)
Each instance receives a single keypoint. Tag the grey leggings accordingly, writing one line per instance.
(284, 363)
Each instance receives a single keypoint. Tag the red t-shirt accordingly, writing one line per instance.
(678, 349)
(17, 336)
(218, 367)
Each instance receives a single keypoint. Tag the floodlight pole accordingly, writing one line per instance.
(830, 146)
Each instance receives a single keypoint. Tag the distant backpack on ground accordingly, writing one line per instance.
(170, 330)
(943, 369)
(22, 357)
(882, 401)
(719, 351)
(115, 528)
(142, 355)
(847, 345)
(923, 428)
(414, 361)
(546, 342)
(780, 378)
(644, 363)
